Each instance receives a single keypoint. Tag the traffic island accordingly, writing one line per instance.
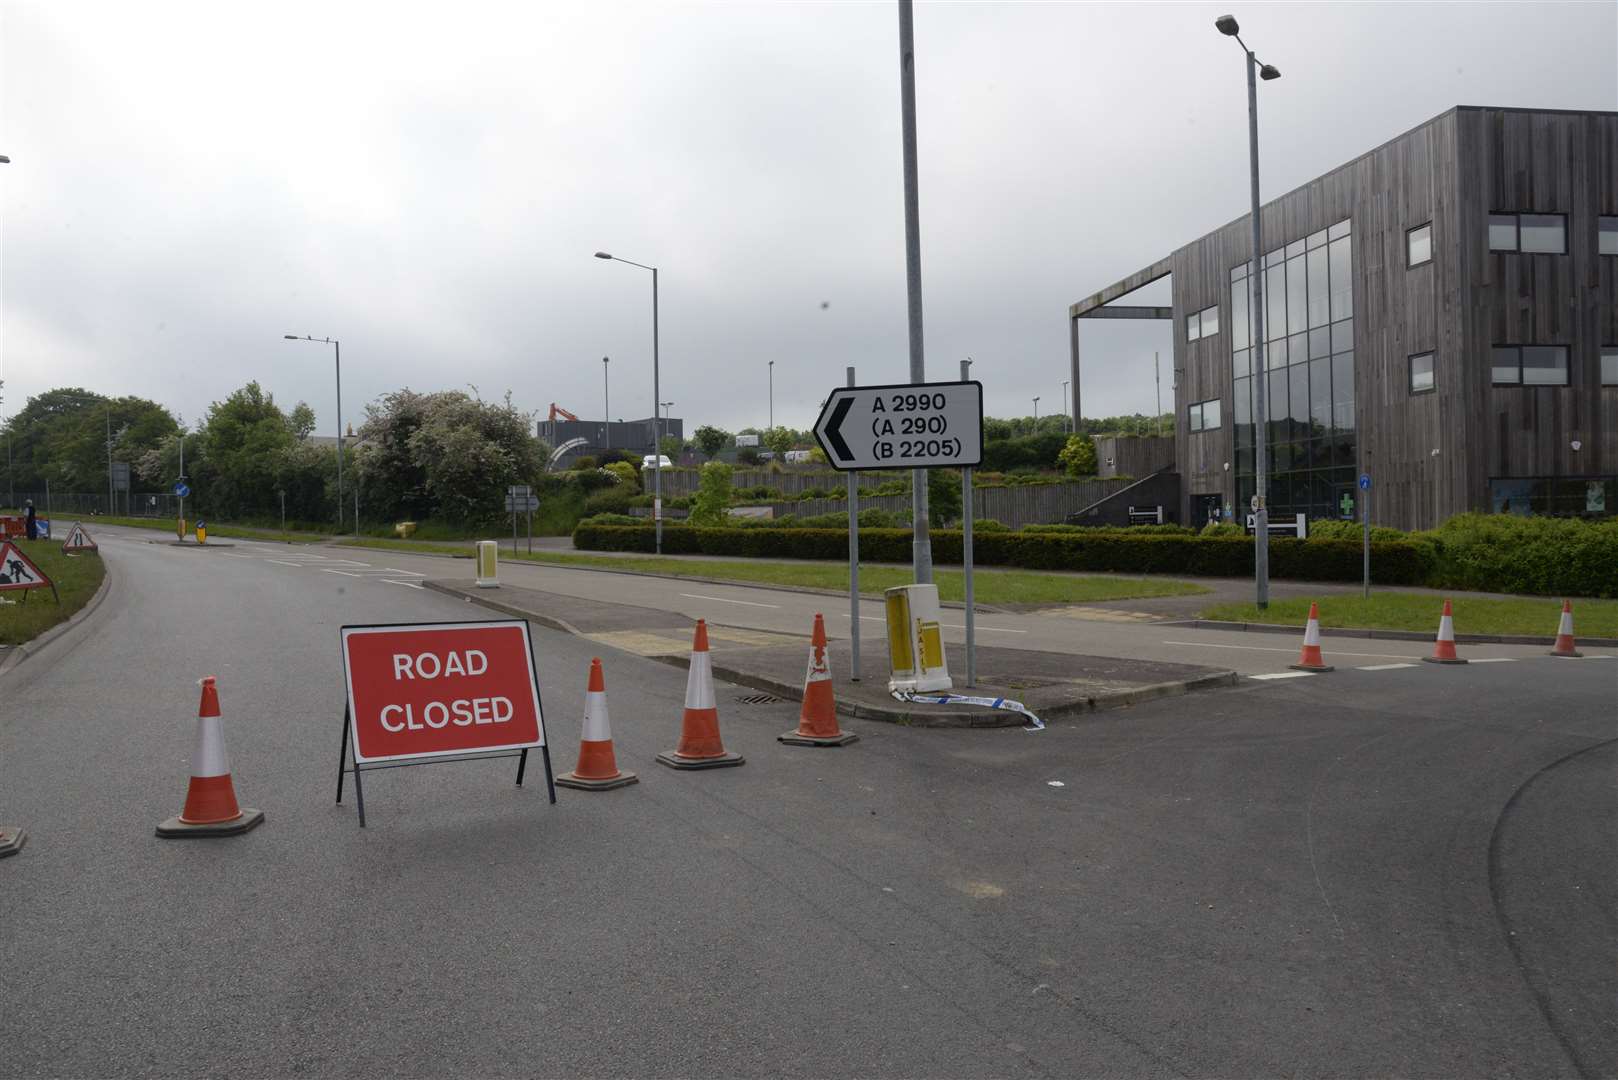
(1051, 685)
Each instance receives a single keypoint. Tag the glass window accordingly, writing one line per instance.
(1544, 365)
(1294, 249)
(1506, 365)
(1419, 244)
(1297, 348)
(1299, 412)
(1297, 305)
(1319, 294)
(1342, 279)
(1210, 414)
(1543, 233)
(1193, 326)
(1210, 321)
(1320, 342)
(1609, 367)
(1276, 406)
(1339, 230)
(1342, 391)
(1275, 301)
(1275, 353)
(1319, 396)
(1240, 295)
(1607, 235)
(1239, 363)
(1502, 232)
(1316, 240)
(1193, 416)
(1342, 336)
(1421, 373)
(1243, 404)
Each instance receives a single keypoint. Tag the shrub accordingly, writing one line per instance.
(1227, 528)
(713, 494)
(610, 519)
(1078, 457)
(612, 500)
(983, 525)
(625, 472)
(584, 463)
(1542, 555)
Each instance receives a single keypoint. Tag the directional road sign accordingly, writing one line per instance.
(182, 489)
(521, 503)
(903, 426)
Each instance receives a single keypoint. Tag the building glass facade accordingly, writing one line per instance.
(1309, 356)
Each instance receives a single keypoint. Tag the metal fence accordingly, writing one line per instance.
(80, 504)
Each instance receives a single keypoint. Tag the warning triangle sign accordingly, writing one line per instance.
(17, 571)
(78, 540)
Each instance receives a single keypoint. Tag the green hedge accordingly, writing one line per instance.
(1394, 563)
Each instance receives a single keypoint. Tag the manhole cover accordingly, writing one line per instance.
(758, 699)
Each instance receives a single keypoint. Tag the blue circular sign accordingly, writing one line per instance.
(1365, 481)
(182, 490)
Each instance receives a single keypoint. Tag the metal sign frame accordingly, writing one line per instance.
(350, 725)
(841, 399)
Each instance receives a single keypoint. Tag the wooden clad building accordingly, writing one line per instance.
(1441, 314)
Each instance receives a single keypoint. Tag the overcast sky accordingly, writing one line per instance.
(189, 181)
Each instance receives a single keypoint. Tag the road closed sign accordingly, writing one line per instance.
(906, 426)
(439, 689)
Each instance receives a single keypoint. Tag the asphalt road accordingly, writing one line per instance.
(1401, 871)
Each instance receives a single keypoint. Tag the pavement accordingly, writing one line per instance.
(1394, 869)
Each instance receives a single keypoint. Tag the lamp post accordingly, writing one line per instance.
(667, 405)
(606, 406)
(337, 355)
(1036, 414)
(1068, 423)
(772, 394)
(921, 543)
(657, 455)
(1227, 25)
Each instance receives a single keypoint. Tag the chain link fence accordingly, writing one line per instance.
(78, 504)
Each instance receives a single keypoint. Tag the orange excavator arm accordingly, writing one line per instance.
(557, 410)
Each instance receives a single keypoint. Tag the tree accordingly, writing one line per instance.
(670, 447)
(61, 435)
(1078, 457)
(710, 440)
(301, 420)
(943, 496)
(778, 439)
(241, 441)
(712, 502)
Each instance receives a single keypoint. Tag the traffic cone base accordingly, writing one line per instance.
(1311, 667)
(176, 828)
(673, 760)
(1564, 645)
(797, 738)
(1573, 655)
(584, 783)
(11, 840)
(1443, 660)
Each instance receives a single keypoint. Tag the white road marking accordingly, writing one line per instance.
(406, 584)
(283, 562)
(1269, 648)
(1494, 659)
(345, 573)
(992, 629)
(1383, 667)
(1284, 675)
(864, 618)
(722, 600)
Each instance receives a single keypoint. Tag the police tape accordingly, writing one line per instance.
(1006, 704)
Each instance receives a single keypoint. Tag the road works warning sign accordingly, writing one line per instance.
(78, 540)
(437, 689)
(17, 571)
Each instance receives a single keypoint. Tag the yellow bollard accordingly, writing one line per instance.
(202, 532)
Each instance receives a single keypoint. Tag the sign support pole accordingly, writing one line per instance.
(921, 543)
(967, 511)
(854, 566)
(1365, 513)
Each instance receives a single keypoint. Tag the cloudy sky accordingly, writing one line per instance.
(189, 181)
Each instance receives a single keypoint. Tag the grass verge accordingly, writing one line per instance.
(1411, 611)
(989, 586)
(77, 578)
(166, 525)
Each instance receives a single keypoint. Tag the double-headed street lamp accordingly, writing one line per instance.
(1261, 414)
(667, 405)
(657, 453)
(1036, 414)
(337, 355)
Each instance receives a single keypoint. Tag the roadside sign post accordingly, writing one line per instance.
(854, 566)
(425, 692)
(520, 499)
(182, 489)
(967, 510)
(1365, 516)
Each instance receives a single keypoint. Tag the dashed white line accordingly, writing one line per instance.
(1269, 648)
(1494, 659)
(1285, 675)
(283, 562)
(1383, 667)
(722, 600)
(345, 573)
(406, 584)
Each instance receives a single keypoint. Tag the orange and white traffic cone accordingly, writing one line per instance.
(210, 801)
(1310, 659)
(700, 746)
(1564, 634)
(1444, 647)
(817, 719)
(597, 769)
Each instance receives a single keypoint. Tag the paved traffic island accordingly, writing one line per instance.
(1050, 685)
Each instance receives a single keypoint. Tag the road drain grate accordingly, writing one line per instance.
(758, 699)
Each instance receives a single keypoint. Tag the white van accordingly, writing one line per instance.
(654, 461)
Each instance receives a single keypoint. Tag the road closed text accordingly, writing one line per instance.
(441, 689)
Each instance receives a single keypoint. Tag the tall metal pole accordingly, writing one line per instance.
(338, 352)
(657, 451)
(1065, 421)
(182, 480)
(921, 542)
(853, 566)
(606, 406)
(967, 513)
(1157, 377)
(772, 395)
(1261, 412)
(109, 460)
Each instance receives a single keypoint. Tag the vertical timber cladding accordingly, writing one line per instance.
(1564, 163)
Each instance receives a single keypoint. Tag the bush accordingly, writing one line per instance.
(625, 472)
(611, 519)
(713, 495)
(983, 525)
(584, 463)
(1227, 528)
(1540, 555)
(1029, 451)
(1078, 457)
(612, 500)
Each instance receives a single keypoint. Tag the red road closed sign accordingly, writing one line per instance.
(437, 689)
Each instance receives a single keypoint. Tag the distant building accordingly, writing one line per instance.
(631, 436)
(1440, 313)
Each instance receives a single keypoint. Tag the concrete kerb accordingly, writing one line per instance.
(18, 653)
(1388, 635)
(493, 604)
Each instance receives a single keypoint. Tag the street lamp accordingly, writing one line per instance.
(1227, 25)
(606, 405)
(772, 394)
(667, 405)
(337, 354)
(657, 455)
(1036, 414)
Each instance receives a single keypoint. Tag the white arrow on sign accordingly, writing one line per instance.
(903, 426)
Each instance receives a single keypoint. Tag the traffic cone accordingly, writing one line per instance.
(700, 747)
(1564, 634)
(597, 769)
(1310, 659)
(817, 720)
(1444, 647)
(210, 801)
